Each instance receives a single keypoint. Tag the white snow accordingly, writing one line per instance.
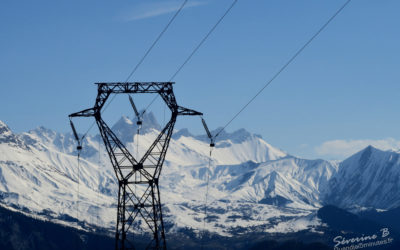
(252, 184)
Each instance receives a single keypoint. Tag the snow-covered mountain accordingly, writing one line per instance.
(369, 179)
(34, 176)
(252, 185)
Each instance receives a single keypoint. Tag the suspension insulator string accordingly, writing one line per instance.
(210, 136)
(78, 148)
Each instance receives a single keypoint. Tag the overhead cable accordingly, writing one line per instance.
(203, 40)
(155, 41)
(284, 66)
(142, 59)
(197, 48)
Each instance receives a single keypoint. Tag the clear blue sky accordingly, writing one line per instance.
(341, 93)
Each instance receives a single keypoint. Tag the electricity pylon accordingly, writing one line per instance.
(140, 205)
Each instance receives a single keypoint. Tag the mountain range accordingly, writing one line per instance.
(253, 186)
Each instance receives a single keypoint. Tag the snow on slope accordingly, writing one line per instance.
(252, 184)
(41, 179)
(290, 181)
(250, 194)
(369, 178)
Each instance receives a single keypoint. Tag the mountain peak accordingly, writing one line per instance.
(125, 120)
(150, 122)
(125, 128)
(182, 132)
(368, 153)
(7, 136)
(238, 136)
(4, 129)
(43, 131)
(369, 147)
(367, 179)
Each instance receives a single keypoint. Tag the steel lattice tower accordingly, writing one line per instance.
(139, 195)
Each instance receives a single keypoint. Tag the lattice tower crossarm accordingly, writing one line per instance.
(138, 193)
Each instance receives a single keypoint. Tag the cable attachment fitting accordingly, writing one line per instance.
(79, 147)
(212, 144)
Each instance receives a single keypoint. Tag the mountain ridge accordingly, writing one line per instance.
(252, 184)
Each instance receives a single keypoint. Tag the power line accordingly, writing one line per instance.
(259, 92)
(196, 48)
(285, 66)
(204, 39)
(141, 60)
(155, 41)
